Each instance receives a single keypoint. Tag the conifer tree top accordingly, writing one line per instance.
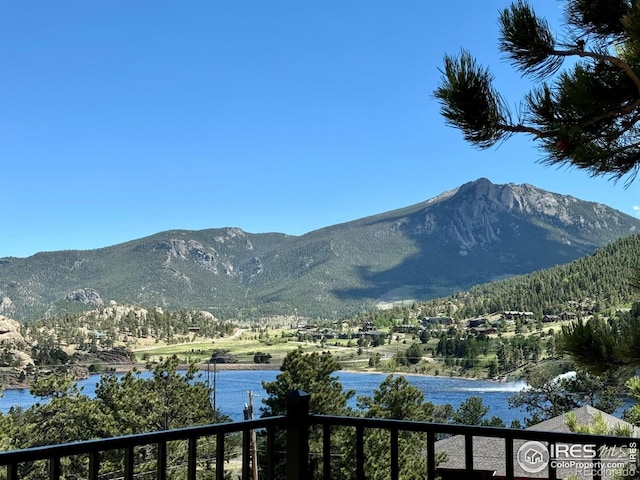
(584, 107)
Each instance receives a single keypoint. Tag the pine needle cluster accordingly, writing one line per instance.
(585, 106)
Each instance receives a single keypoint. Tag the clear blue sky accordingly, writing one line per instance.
(120, 119)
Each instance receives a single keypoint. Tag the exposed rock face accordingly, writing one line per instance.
(86, 296)
(473, 234)
(15, 356)
(113, 356)
(6, 306)
(480, 213)
(206, 315)
(253, 268)
(10, 333)
(116, 311)
(527, 199)
(208, 258)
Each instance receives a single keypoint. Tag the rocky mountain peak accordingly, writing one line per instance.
(469, 235)
(482, 196)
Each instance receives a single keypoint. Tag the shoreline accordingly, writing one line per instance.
(270, 367)
(124, 368)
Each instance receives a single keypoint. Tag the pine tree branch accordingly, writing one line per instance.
(520, 128)
(630, 107)
(615, 61)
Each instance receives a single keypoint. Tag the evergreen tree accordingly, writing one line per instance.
(396, 399)
(130, 404)
(312, 373)
(604, 345)
(473, 412)
(585, 115)
(549, 395)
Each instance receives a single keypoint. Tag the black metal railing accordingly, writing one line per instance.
(285, 443)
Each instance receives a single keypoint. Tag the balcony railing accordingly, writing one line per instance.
(292, 433)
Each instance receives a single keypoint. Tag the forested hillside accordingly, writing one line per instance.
(597, 283)
(117, 325)
(472, 235)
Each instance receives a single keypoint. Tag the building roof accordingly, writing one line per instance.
(585, 414)
(489, 452)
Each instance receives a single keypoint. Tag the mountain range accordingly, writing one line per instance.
(477, 233)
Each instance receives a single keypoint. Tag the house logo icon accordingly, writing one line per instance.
(533, 457)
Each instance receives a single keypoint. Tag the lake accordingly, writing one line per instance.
(233, 387)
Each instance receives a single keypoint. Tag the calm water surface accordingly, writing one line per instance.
(233, 387)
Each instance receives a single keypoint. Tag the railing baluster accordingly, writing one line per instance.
(246, 455)
(360, 453)
(128, 463)
(394, 454)
(161, 461)
(54, 468)
(468, 452)
(220, 456)
(94, 465)
(326, 451)
(295, 429)
(12, 471)
(192, 458)
(508, 455)
(297, 423)
(431, 455)
(597, 461)
(271, 451)
(552, 470)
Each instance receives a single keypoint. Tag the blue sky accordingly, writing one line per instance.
(120, 119)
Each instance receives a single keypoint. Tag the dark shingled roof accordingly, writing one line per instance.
(489, 452)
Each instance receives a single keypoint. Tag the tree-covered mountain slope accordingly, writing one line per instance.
(598, 283)
(475, 234)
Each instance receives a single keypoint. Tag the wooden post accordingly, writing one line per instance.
(297, 435)
(253, 442)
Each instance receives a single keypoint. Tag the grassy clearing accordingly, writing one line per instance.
(243, 346)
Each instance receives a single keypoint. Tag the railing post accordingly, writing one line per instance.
(297, 435)
(161, 461)
(220, 456)
(94, 465)
(326, 451)
(508, 455)
(431, 455)
(12, 471)
(468, 453)
(192, 456)
(54, 468)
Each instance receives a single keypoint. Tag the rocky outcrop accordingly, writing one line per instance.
(6, 306)
(85, 296)
(474, 234)
(10, 335)
(14, 356)
(116, 356)
(207, 258)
